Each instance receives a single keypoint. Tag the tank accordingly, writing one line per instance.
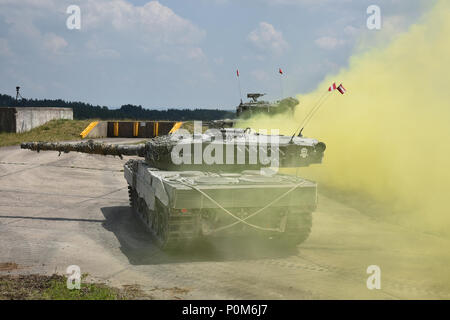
(223, 123)
(181, 195)
(254, 106)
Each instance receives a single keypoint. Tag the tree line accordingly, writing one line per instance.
(83, 110)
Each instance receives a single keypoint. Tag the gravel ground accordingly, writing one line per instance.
(73, 210)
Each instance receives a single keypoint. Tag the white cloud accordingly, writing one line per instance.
(195, 54)
(107, 28)
(95, 50)
(267, 38)
(54, 43)
(152, 22)
(329, 43)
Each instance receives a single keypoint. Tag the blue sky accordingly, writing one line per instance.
(184, 53)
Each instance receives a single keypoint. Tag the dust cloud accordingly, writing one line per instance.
(388, 136)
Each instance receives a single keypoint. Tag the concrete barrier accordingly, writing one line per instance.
(22, 119)
(129, 129)
(88, 129)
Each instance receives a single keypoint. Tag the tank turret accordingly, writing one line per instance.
(227, 149)
(255, 106)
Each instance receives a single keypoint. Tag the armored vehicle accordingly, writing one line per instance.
(220, 124)
(221, 183)
(253, 107)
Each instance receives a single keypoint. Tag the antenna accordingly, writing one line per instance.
(18, 93)
(239, 84)
(308, 118)
(310, 114)
(281, 82)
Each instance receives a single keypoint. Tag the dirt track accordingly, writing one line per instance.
(73, 210)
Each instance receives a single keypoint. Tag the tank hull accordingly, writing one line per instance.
(178, 207)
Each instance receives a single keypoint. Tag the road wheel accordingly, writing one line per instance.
(161, 229)
(133, 197)
(157, 221)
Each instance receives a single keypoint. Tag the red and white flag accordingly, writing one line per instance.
(280, 71)
(341, 89)
(237, 72)
(333, 87)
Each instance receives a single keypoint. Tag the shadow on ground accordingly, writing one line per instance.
(139, 247)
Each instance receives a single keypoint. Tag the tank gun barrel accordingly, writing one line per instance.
(88, 147)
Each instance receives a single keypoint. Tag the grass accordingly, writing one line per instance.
(57, 290)
(60, 130)
(54, 287)
(189, 126)
(55, 130)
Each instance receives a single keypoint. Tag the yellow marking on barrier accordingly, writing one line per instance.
(175, 127)
(116, 129)
(135, 129)
(88, 129)
(155, 129)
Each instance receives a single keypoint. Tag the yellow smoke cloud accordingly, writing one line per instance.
(388, 136)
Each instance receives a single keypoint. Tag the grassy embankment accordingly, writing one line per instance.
(41, 287)
(60, 130)
(55, 130)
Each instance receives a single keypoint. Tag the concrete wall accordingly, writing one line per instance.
(99, 131)
(7, 120)
(145, 129)
(27, 118)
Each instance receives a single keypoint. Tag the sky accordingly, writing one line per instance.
(184, 53)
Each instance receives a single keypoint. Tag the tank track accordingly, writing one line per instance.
(298, 228)
(174, 231)
(170, 229)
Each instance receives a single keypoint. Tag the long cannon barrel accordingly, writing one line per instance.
(88, 147)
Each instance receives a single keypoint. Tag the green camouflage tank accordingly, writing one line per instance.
(212, 194)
